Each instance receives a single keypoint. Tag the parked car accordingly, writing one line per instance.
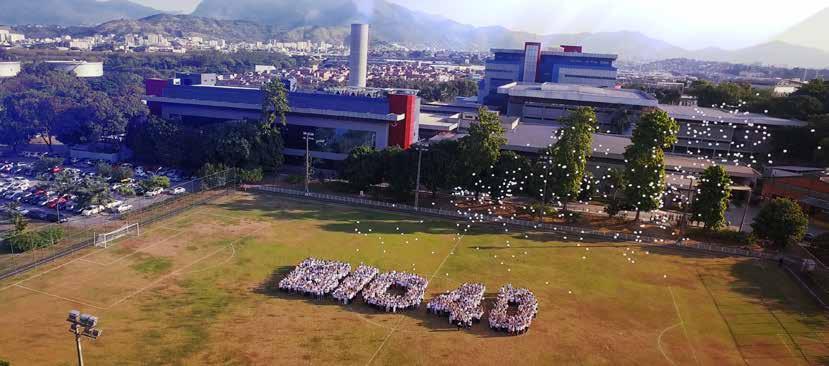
(178, 190)
(123, 208)
(154, 192)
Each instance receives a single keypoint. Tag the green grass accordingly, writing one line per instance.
(600, 303)
(152, 265)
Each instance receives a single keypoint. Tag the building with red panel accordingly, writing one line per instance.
(811, 191)
(340, 118)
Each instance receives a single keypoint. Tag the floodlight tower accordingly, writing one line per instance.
(82, 325)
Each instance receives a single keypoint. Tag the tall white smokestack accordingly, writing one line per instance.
(358, 60)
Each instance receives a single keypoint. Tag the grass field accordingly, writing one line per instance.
(193, 290)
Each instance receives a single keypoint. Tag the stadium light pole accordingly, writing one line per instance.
(420, 149)
(307, 136)
(82, 325)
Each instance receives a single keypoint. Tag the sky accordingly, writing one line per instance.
(690, 24)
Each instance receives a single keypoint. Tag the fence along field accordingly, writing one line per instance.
(194, 284)
(79, 236)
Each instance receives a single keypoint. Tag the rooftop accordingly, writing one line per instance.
(579, 93)
(702, 114)
(558, 53)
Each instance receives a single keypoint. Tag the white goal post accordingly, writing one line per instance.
(105, 240)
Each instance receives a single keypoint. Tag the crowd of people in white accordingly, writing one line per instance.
(315, 277)
(519, 322)
(354, 283)
(393, 291)
(413, 287)
(462, 305)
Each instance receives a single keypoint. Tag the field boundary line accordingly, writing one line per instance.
(159, 280)
(182, 269)
(60, 297)
(114, 261)
(61, 265)
(722, 317)
(682, 323)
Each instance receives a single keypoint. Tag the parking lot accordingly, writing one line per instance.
(37, 195)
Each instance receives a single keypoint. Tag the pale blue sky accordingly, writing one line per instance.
(686, 23)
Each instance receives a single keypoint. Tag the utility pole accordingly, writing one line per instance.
(420, 150)
(685, 209)
(82, 325)
(745, 209)
(307, 136)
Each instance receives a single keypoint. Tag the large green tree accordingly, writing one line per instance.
(274, 103)
(508, 176)
(439, 166)
(781, 221)
(362, 168)
(644, 160)
(713, 193)
(480, 149)
(570, 153)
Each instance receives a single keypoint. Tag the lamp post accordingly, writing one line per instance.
(307, 136)
(420, 149)
(82, 325)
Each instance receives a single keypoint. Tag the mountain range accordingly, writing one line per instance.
(327, 20)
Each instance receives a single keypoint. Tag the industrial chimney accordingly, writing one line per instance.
(358, 61)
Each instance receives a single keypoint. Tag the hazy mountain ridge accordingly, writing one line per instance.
(328, 20)
(812, 32)
(70, 12)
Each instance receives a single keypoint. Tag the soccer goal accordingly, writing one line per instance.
(106, 239)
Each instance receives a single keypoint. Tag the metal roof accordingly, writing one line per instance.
(579, 93)
(702, 114)
(558, 53)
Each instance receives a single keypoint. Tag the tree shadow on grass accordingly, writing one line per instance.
(432, 322)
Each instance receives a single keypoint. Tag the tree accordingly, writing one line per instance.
(399, 170)
(362, 168)
(45, 164)
(155, 182)
(570, 153)
(439, 166)
(275, 103)
(645, 178)
(712, 197)
(103, 169)
(613, 192)
(644, 160)
(480, 149)
(93, 191)
(121, 173)
(507, 176)
(781, 221)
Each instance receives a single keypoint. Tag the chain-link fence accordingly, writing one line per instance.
(39, 246)
(475, 217)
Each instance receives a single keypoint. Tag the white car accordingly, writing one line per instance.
(114, 204)
(124, 208)
(154, 192)
(178, 190)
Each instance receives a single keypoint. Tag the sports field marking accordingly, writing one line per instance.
(659, 342)
(171, 274)
(176, 234)
(60, 297)
(682, 323)
(65, 264)
(399, 320)
(722, 317)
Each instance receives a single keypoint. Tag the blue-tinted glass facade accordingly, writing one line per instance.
(345, 103)
(330, 140)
